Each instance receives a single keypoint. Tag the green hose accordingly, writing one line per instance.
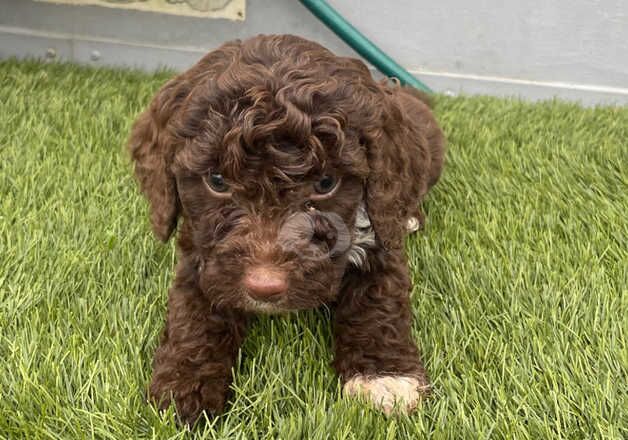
(361, 44)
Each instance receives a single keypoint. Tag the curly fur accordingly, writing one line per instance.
(272, 114)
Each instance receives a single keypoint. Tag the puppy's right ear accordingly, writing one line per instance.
(152, 149)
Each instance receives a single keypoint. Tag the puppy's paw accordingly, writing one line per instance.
(413, 224)
(191, 401)
(389, 393)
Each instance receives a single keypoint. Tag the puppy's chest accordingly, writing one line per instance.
(363, 238)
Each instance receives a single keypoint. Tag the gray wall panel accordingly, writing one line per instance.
(574, 49)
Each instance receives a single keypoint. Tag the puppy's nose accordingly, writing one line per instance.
(262, 282)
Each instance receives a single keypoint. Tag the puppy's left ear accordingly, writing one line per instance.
(405, 158)
(152, 148)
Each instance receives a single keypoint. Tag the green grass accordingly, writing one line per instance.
(520, 298)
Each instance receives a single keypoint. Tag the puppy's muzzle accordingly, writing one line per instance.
(265, 283)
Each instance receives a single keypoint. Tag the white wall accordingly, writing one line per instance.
(574, 49)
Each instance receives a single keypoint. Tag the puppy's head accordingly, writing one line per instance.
(287, 164)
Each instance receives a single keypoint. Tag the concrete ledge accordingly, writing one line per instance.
(100, 36)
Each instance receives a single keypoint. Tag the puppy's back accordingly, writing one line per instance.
(416, 105)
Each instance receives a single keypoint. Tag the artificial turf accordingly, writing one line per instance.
(520, 298)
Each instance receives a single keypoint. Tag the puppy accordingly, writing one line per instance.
(293, 177)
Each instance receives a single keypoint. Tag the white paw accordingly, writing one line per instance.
(413, 224)
(388, 393)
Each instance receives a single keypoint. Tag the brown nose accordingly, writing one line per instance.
(263, 282)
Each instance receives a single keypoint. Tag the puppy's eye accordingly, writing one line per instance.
(217, 183)
(326, 184)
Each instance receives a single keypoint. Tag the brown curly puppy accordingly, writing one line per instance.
(296, 176)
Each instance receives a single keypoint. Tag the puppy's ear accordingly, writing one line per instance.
(405, 158)
(152, 149)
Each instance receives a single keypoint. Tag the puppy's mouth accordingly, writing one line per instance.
(283, 305)
(267, 289)
(250, 304)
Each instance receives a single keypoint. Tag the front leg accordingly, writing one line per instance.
(192, 366)
(375, 354)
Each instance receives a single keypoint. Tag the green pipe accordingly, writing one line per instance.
(361, 44)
